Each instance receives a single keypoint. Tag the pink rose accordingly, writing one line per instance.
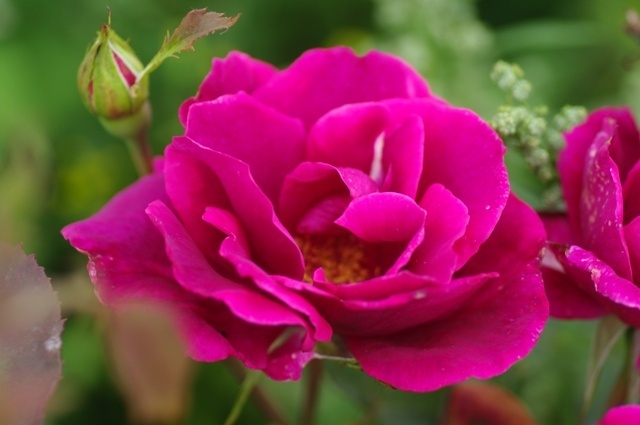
(594, 268)
(622, 415)
(338, 192)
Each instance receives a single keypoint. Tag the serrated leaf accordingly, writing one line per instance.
(609, 331)
(30, 328)
(197, 24)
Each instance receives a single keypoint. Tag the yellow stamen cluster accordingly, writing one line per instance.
(342, 257)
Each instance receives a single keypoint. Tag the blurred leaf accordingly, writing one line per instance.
(477, 402)
(150, 364)
(30, 343)
(609, 330)
(197, 24)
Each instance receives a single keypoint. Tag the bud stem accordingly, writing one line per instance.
(141, 154)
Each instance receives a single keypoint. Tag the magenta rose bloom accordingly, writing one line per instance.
(622, 415)
(337, 194)
(594, 264)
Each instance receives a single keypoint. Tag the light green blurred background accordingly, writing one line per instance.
(57, 165)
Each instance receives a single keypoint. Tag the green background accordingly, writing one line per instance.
(57, 165)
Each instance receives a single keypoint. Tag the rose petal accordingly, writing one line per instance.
(272, 145)
(402, 158)
(127, 263)
(345, 136)
(572, 160)
(632, 240)
(567, 300)
(631, 194)
(306, 190)
(622, 415)
(414, 300)
(271, 245)
(434, 355)
(596, 278)
(237, 72)
(324, 79)
(446, 221)
(477, 177)
(600, 208)
(383, 217)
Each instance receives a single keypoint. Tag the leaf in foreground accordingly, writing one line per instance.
(30, 343)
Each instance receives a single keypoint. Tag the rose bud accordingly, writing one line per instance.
(110, 88)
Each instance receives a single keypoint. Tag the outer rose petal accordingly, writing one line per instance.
(324, 79)
(237, 72)
(452, 158)
(567, 300)
(272, 247)
(622, 415)
(597, 278)
(625, 151)
(600, 209)
(127, 263)
(464, 345)
(272, 145)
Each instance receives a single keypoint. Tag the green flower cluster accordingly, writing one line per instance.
(530, 131)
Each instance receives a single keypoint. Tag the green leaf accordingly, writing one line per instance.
(197, 24)
(609, 330)
(30, 328)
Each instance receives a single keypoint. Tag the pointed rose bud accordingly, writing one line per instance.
(110, 85)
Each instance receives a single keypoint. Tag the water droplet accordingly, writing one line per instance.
(53, 344)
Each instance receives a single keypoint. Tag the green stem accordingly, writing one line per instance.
(314, 376)
(141, 154)
(250, 381)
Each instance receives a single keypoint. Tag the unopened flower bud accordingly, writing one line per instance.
(109, 84)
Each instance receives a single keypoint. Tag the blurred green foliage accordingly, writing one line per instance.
(57, 165)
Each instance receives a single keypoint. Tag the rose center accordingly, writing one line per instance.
(343, 258)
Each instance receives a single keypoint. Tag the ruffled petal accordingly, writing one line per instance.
(324, 79)
(345, 137)
(314, 195)
(128, 263)
(464, 345)
(622, 415)
(598, 279)
(271, 245)
(447, 219)
(237, 72)
(272, 145)
(415, 300)
(600, 208)
(403, 156)
(631, 194)
(625, 152)
(452, 158)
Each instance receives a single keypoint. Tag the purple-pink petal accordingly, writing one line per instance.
(622, 415)
(272, 145)
(383, 217)
(403, 156)
(478, 177)
(446, 222)
(465, 345)
(324, 79)
(600, 209)
(318, 193)
(272, 246)
(237, 72)
(345, 137)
